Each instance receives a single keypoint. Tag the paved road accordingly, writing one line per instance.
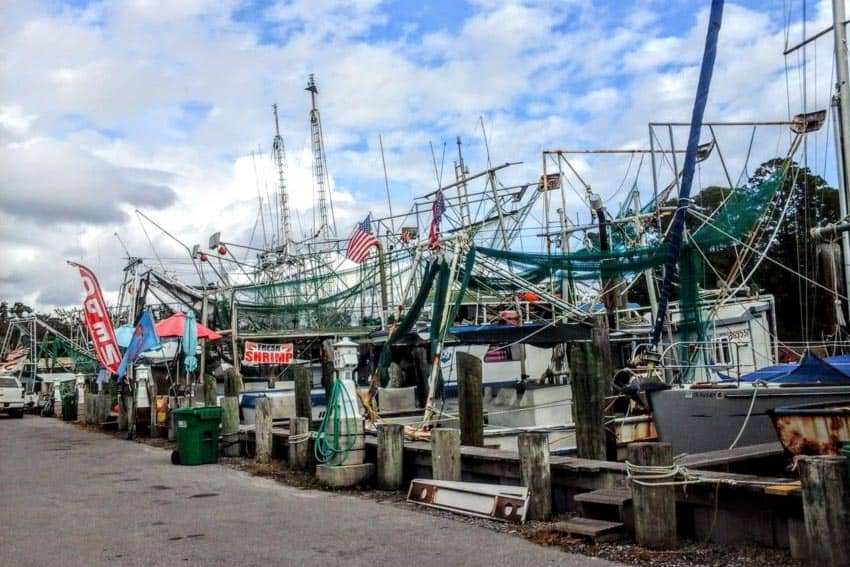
(70, 497)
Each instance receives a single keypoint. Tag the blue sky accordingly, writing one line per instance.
(112, 106)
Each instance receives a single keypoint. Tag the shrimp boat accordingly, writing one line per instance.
(711, 410)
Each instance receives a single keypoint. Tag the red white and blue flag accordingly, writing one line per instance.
(14, 360)
(438, 207)
(361, 242)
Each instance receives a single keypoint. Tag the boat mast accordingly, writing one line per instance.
(841, 104)
(678, 227)
(325, 223)
(285, 236)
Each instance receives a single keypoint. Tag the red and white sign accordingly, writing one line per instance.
(97, 321)
(261, 353)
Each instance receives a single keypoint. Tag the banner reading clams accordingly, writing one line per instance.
(97, 321)
(262, 353)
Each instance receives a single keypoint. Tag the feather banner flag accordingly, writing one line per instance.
(97, 321)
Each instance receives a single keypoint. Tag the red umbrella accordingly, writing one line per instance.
(174, 325)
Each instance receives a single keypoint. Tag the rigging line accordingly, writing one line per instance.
(623, 181)
(259, 199)
(769, 259)
(150, 242)
(434, 161)
(251, 240)
(442, 164)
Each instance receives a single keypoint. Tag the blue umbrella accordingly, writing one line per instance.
(190, 343)
(124, 334)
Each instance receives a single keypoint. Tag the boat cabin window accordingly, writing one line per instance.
(723, 351)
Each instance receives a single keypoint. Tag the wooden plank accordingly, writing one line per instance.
(729, 456)
(791, 488)
(588, 527)
(607, 496)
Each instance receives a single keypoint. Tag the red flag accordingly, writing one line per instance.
(97, 321)
(438, 207)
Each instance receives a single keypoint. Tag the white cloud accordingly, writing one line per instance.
(158, 106)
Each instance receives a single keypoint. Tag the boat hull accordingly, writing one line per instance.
(701, 420)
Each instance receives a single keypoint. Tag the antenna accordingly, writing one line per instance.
(280, 160)
(326, 222)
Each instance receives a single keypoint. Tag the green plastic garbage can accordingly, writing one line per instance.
(69, 407)
(198, 431)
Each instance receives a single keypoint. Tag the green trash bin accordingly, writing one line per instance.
(198, 431)
(69, 407)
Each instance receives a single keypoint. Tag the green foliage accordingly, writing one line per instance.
(802, 310)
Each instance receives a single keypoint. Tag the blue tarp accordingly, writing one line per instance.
(810, 370)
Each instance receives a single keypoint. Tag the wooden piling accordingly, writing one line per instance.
(654, 506)
(123, 409)
(91, 408)
(303, 385)
(390, 456)
(104, 405)
(535, 473)
(590, 364)
(230, 426)
(299, 442)
(470, 399)
(210, 395)
(826, 509)
(445, 454)
(263, 431)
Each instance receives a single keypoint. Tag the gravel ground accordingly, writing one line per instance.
(689, 554)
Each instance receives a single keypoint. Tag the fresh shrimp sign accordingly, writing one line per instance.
(97, 321)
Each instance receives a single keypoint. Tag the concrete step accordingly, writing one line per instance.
(595, 530)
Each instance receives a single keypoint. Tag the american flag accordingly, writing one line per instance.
(14, 360)
(438, 208)
(361, 242)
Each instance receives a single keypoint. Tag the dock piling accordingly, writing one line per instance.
(230, 426)
(589, 363)
(390, 456)
(263, 431)
(826, 509)
(299, 442)
(445, 454)
(303, 385)
(654, 506)
(470, 399)
(535, 473)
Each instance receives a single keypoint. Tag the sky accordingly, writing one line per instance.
(165, 107)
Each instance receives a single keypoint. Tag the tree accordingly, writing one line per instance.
(804, 311)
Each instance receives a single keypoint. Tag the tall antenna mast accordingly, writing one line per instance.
(285, 236)
(326, 224)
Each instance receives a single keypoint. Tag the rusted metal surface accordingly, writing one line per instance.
(813, 429)
(634, 429)
(493, 501)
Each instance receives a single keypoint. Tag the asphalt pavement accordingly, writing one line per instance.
(74, 497)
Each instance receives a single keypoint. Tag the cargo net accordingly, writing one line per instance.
(740, 213)
(331, 300)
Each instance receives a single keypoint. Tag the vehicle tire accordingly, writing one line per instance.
(19, 414)
(175, 458)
